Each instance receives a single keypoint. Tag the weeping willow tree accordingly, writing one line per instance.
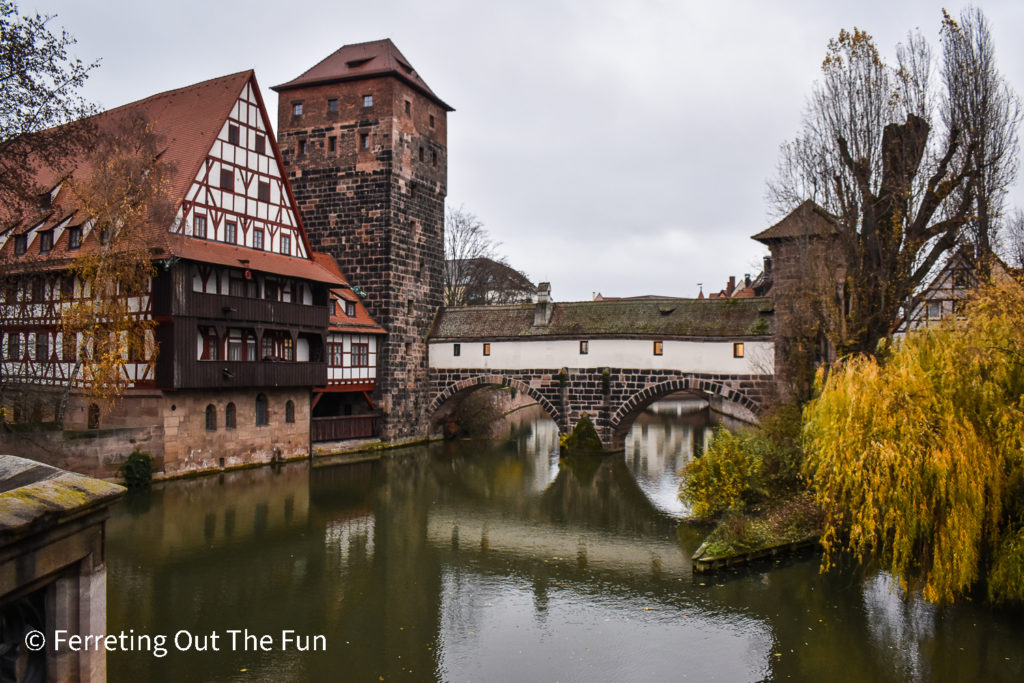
(918, 460)
(123, 193)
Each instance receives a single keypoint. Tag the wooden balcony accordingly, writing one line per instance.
(344, 427)
(202, 374)
(255, 311)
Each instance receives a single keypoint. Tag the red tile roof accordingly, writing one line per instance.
(187, 121)
(363, 60)
(362, 323)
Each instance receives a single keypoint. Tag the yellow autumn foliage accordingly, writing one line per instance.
(916, 460)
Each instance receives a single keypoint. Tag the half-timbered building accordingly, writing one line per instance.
(241, 305)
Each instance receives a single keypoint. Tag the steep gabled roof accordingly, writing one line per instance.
(362, 322)
(806, 220)
(363, 60)
(187, 122)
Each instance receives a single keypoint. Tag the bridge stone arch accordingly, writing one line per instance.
(445, 389)
(717, 390)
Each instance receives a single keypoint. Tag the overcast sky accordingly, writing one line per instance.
(619, 147)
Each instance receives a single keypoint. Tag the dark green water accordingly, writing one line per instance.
(470, 562)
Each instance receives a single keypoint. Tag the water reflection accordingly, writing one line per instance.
(498, 562)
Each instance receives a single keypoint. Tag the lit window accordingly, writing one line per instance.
(659, 348)
(737, 350)
(487, 348)
(257, 239)
(367, 100)
(297, 109)
(456, 349)
(199, 227)
(230, 232)
(263, 191)
(286, 244)
(74, 237)
(227, 179)
(584, 348)
(232, 134)
(332, 105)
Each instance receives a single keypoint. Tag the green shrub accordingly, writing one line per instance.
(137, 470)
(583, 437)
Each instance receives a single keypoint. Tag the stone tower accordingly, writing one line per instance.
(363, 139)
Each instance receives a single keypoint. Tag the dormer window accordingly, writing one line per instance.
(74, 237)
(45, 241)
(367, 101)
(20, 244)
(350, 309)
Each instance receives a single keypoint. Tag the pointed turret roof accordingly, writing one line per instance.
(363, 60)
(806, 220)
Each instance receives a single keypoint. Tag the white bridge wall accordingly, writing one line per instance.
(713, 357)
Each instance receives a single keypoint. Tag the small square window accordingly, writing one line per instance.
(233, 134)
(659, 348)
(263, 191)
(350, 309)
(227, 179)
(456, 349)
(199, 227)
(257, 239)
(297, 109)
(261, 144)
(584, 348)
(487, 348)
(286, 244)
(45, 241)
(20, 244)
(408, 107)
(230, 232)
(364, 140)
(332, 105)
(737, 350)
(332, 144)
(74, 237)
(367, 100)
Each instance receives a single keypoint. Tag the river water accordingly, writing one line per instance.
(468, 561)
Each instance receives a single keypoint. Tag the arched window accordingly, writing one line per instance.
(229, 416)
(94, 416)
(289, 412)
(211, 418)
(261, 410)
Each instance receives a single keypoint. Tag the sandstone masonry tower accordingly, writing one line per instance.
(363, 139)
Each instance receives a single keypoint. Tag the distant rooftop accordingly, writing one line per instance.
(806, 220)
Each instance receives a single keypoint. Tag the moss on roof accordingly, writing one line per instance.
(667, 318)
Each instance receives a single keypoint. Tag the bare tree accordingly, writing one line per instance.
(981, 103)
(39, 86)
(898, 177)
(1013, 242)
(474, 273)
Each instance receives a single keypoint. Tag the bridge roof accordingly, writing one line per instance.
(661, 318)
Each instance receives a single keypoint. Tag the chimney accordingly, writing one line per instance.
(746, 280)
(767, 264)
(544, 307)
(732, 285)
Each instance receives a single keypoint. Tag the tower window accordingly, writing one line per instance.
(421, 154)
(263, 191)
(303, 146)
(433, 157)
(408, 107)
(367, 100)
(332, 144)
(233, 134)
(297, 109)
(332, 105)
(737, 350)
(261, 144)
(227, 179)
(431, 120)
(364, 140)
